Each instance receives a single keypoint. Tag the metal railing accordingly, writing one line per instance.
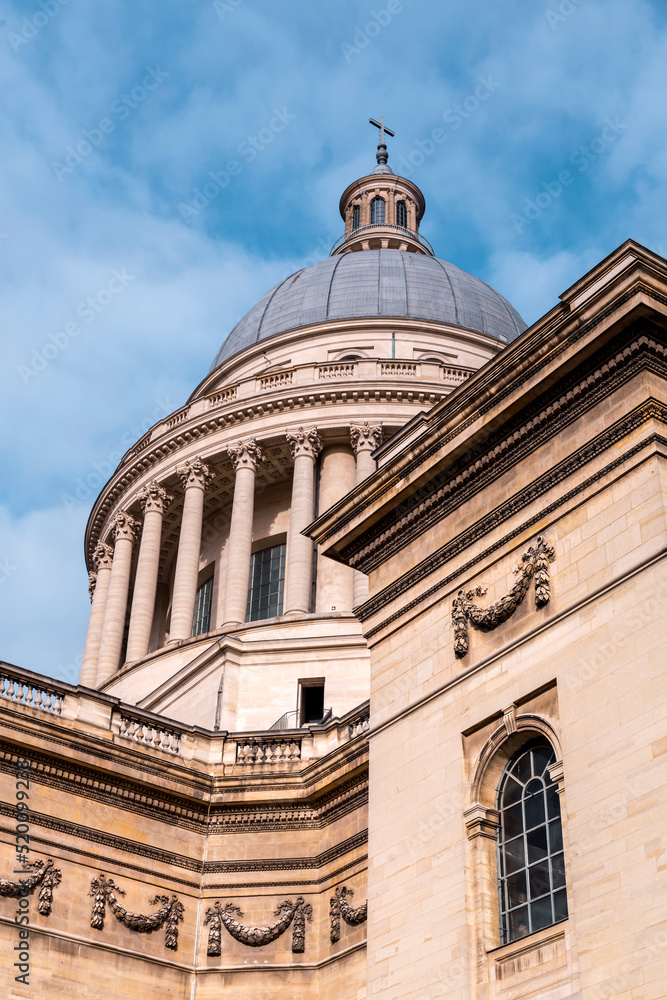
(289, 720)
(379, 227)
(286, 721)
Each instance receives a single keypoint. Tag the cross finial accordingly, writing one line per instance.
(382, 128)
(381, 155)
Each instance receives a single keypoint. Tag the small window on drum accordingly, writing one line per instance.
(356, 216)
(267, 583)
(201, 622)
(531, 870)
(377, 211)
(401, 215)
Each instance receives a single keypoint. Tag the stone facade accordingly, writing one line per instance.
(488, 580)
(516, 551)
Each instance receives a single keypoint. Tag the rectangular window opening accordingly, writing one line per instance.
(201, 622)
(311, 702)
(267, 583)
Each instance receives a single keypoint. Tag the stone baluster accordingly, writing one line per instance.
(153, 500)
(195, 475)
(123, 529)
(102, 560)
(365, 439)
(246, 456)
(305, 445)
(334, 581)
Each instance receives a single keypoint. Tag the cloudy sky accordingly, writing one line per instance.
(536, 129)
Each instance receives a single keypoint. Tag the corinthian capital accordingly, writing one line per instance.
(123, 525)
(154, 497)
(195, 473)
(245, 454)
(92, 581)
(365, 437)
(102, 556)
(304, 442)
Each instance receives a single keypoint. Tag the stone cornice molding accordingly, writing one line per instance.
(306, 800)
(540, 347)
(502, 450)
(194, 474)
(246, 454)
(154, 497)
(230, 415)
(366, 436)
(330, 331)
(503, 513)
(304, 442)
(123, 527)
(102, 556)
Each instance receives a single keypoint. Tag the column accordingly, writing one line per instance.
(365, 213)
(123, 530)
(365, 439)
(246, 456)
(334, 580)
(195, 476)
(305, 446)
(102, 558)
(153, 500)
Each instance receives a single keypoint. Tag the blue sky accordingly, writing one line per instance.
(535, 128)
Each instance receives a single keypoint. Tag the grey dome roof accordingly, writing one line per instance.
(392, 283)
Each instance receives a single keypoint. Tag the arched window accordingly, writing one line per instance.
(356, 214)
(401, 214)
(377, 211)
(531, 870)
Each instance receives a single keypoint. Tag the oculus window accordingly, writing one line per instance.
(267, 583)
(531, 869)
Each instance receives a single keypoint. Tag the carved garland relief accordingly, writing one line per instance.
(339, 907)
(169, 915)
(296, 914)
(535, 564)
(37, 874)
(170, 912)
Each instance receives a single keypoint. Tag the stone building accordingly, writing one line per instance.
(198, 807)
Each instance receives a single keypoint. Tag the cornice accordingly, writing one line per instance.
(181, 862)
(485, 525)
(538, 347)
(505, 448)
(310, 806)
(235, 415)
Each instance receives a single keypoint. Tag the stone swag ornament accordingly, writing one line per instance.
(535, 563)
(37, 874)
(339, 907)
(169, 915)
(288, 912)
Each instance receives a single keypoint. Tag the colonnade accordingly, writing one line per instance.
(339, 588)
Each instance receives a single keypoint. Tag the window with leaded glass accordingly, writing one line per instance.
(356, 216)
(531, 869)
(201, 622)
(401, 214)
(267, 582)
(377, 211)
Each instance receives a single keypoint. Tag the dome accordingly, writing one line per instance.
(384, 282)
